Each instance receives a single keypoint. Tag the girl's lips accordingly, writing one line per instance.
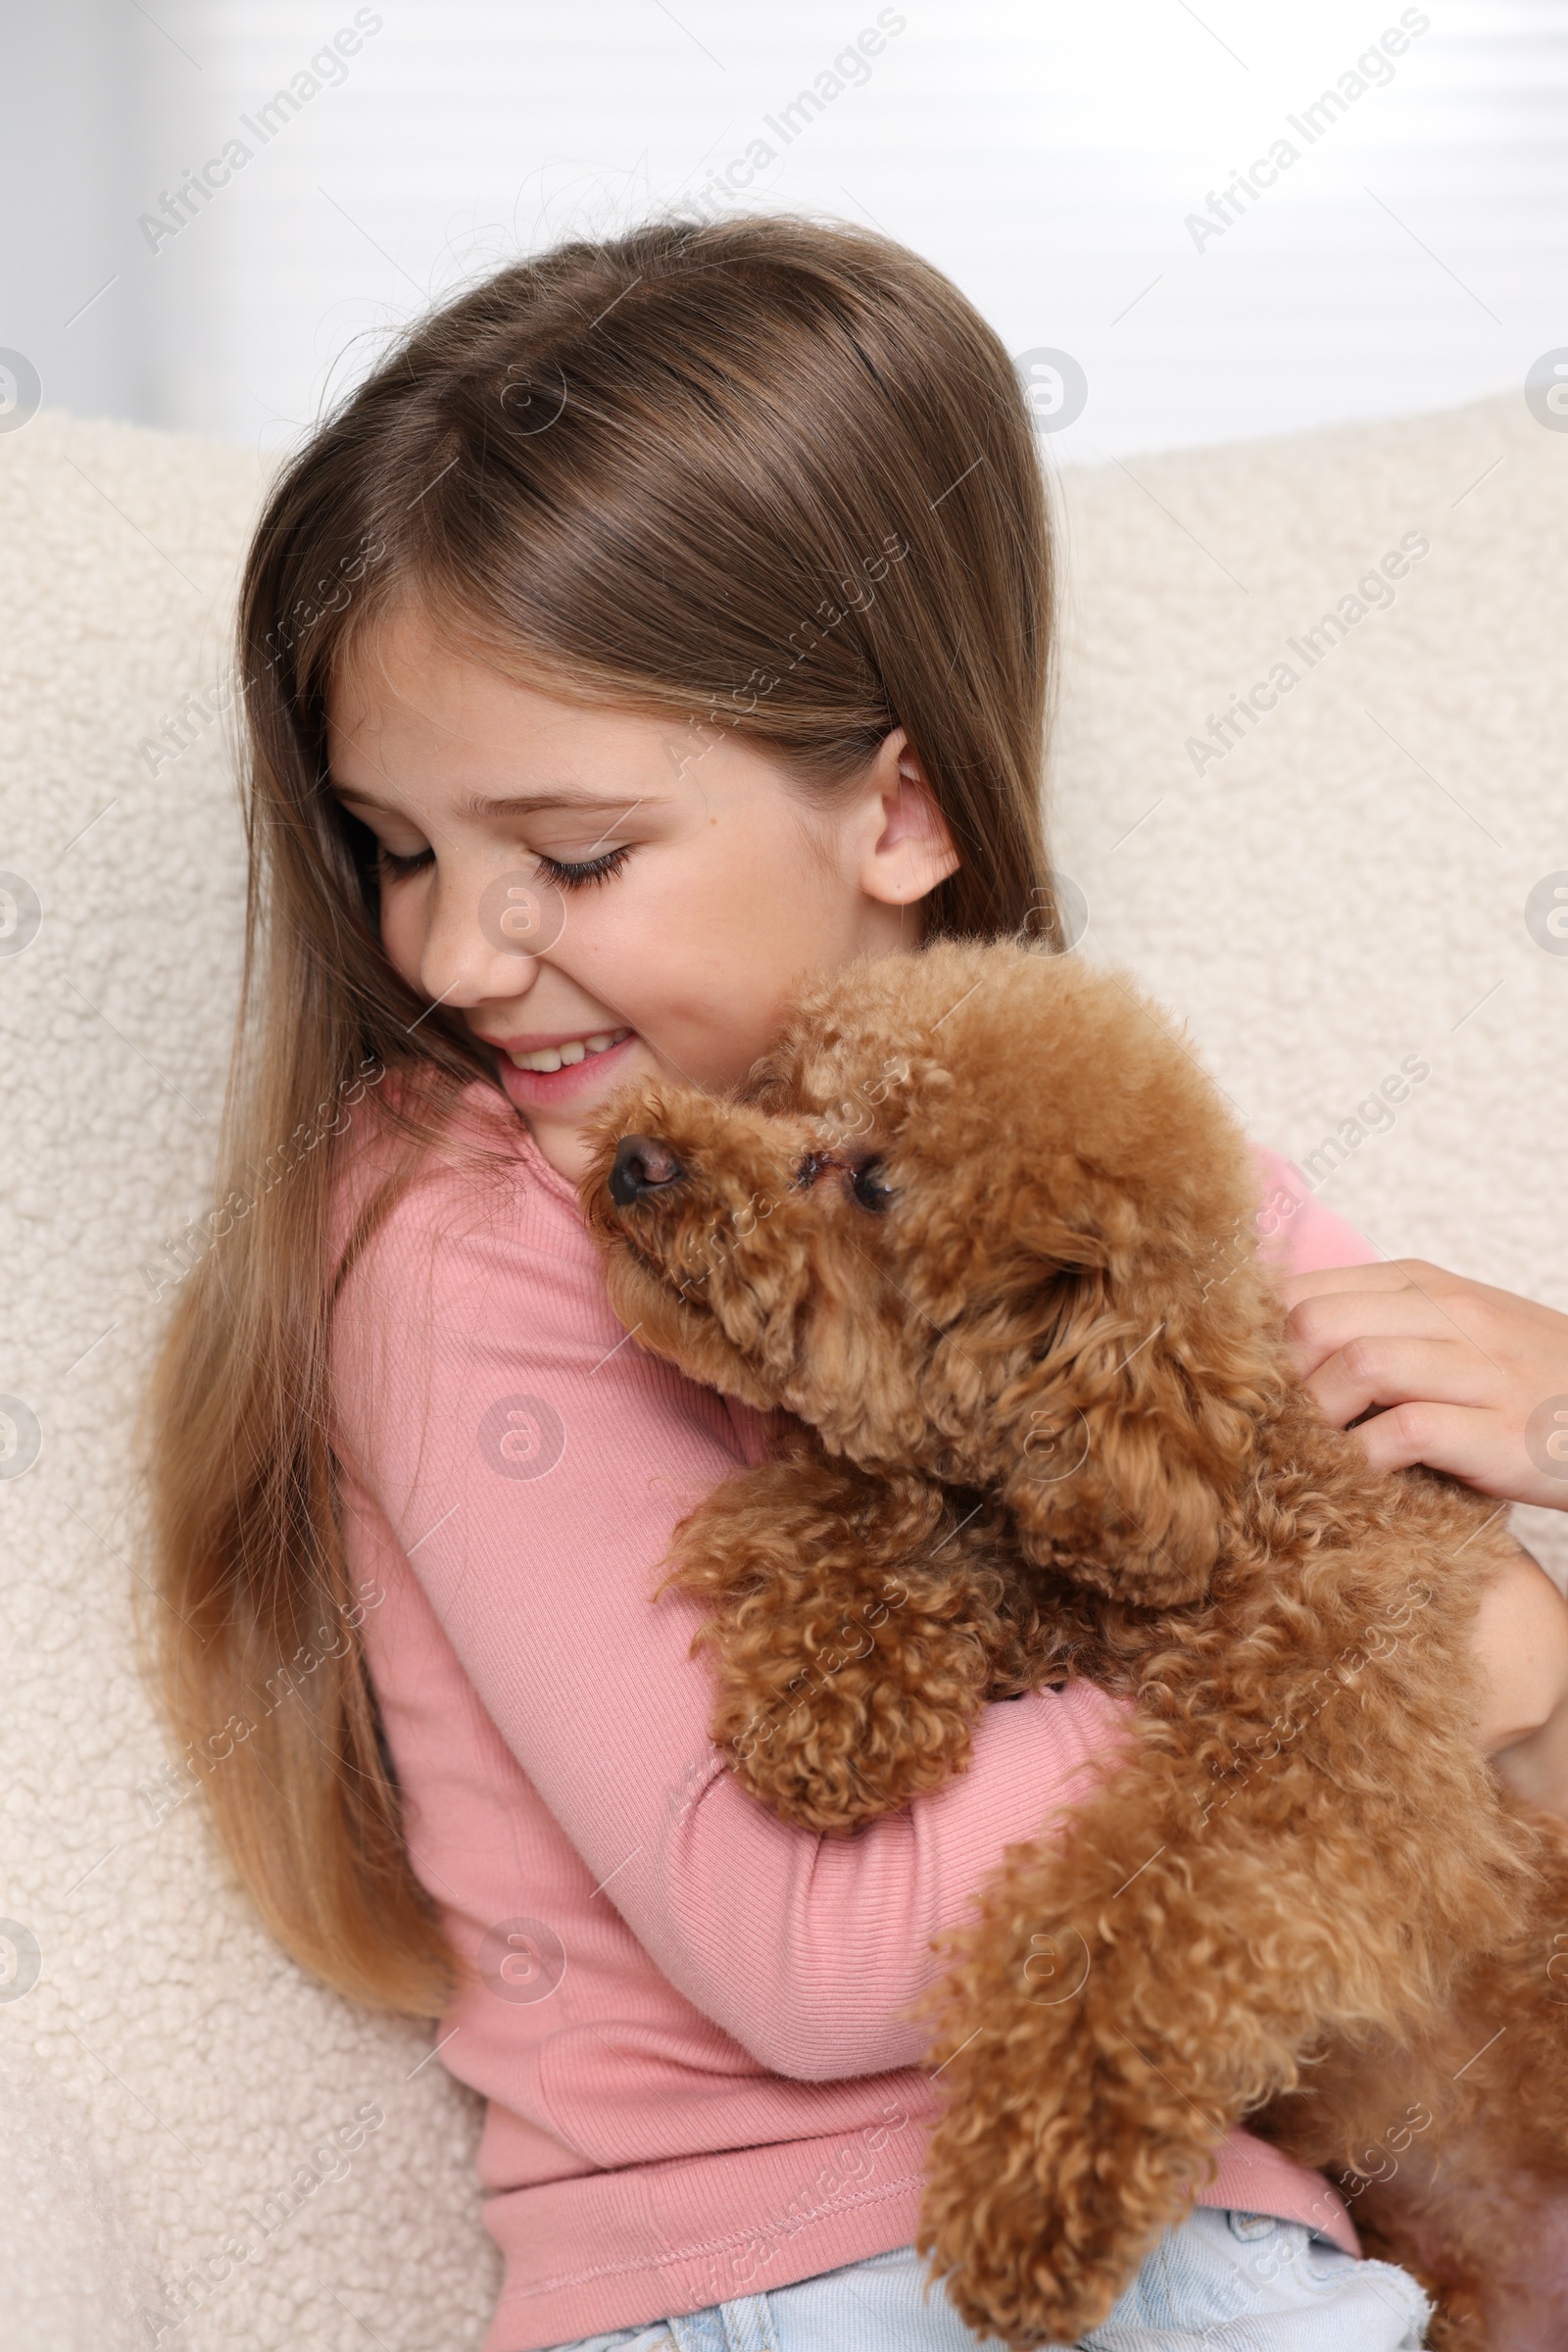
(541, 1090)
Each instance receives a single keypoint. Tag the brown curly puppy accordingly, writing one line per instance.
(983, 1226)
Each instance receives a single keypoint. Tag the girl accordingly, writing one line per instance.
(660, 620)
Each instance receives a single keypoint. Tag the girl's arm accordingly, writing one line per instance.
(1473, 1381)
(530, 1464)
(1523, 1639)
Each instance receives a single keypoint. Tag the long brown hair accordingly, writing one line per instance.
(763, 473)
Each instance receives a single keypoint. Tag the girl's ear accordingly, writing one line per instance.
(906, 848)
(1134, 1433)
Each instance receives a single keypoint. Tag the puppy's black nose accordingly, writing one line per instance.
(642, 1167)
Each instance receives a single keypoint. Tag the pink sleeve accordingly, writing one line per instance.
(805, 1949)
(1297, 1232)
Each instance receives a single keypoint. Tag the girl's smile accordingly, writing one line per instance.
(671, 885)
(538, 1072)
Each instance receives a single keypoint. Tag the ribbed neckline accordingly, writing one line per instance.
(481, 1095)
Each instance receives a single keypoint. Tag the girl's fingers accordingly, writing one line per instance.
(1390, 1368)
(1322, 1326)
(1501, 1309)
(1457, 1374)
(1479, 1448)
(1386, 1274)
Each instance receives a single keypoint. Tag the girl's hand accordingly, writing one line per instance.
(1455, 1374)
(1469, 1380)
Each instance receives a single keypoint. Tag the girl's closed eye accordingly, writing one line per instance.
(564, 873)
(581, 874)
(395, 866)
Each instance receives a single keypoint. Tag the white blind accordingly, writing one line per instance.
(1412, 253)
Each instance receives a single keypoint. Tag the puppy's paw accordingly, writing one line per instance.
(856, 1626)
(878, 1714)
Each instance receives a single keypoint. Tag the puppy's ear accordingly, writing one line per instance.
(1134, 1426)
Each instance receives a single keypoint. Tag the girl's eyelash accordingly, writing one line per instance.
(581, 877)
(564, 877)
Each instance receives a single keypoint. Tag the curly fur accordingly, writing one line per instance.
(981, 1224)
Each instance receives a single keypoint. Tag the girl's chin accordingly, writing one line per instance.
(575, 1084)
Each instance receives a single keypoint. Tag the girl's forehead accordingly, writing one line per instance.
(406, 683)
(409, 700)
(414, 715)
(401, 664)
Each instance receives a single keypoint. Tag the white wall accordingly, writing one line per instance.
(1048, 156)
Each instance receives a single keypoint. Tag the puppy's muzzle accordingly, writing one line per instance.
(643, 1168)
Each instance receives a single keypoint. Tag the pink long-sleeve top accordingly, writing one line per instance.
(690, 2027)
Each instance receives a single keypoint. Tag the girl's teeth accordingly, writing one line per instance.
(558, 1058)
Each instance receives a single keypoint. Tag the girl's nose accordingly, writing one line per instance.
(485, 937)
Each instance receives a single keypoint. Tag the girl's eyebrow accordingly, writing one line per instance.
(527, 804)
(563, 796)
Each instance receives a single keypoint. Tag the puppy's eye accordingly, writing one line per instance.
(869, 1186)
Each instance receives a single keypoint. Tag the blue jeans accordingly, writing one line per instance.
(1218, 2283)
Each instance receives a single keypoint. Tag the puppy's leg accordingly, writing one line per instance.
(1116, 2012)
(856, 1627)
(1070, 2137)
